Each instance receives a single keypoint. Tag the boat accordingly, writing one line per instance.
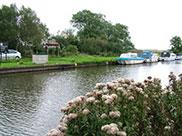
(155, 57)
(167, 56)
(129, 58)
(178, 56)
(149, 56)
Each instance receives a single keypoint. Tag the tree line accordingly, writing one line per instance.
(92, 33)
(95, 35)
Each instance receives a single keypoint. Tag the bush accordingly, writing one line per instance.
(124, 107)
(52, 51)
(72, 50)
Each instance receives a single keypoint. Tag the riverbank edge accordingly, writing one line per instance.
(14, 70)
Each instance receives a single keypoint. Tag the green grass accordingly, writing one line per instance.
(56, 60)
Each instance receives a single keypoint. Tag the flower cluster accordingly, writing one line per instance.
(114, 114)
(124, 107)
(52, 132)
(113, 130)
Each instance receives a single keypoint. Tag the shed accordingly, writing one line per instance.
(52, 44)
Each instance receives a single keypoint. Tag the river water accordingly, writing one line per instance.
(30, 103)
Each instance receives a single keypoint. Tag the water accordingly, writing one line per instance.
(30, 103)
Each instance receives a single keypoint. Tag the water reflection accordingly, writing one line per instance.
(30, 103)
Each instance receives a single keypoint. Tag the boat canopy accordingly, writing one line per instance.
(178, 54)
(165, 54)
(147, 54)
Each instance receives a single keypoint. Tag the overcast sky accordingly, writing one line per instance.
(151, 23)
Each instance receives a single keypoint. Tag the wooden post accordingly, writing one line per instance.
(46, 49)
(57, 50)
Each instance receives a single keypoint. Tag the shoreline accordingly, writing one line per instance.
(14, 70)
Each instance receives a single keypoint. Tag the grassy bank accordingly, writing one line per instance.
(57, 60)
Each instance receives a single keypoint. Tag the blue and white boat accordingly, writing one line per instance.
(167, 56)
(129, 58)
(149, 56)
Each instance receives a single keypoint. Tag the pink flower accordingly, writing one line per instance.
(52, 132)
(86, 111)
(72, 116)
(109, 101)
(103, 116)
(99, 85)
(120, 124)
(110, 129)
(64, 109)
(131, 98)
(114, 96)
(89, 94)
(114, 114)
(62, 128)
(121, 133)
(90, 100)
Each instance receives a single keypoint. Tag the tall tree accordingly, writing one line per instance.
(8, 25)
(89, 25)
(21, 27)
(32, 31)
(99, 35)
(176, 44)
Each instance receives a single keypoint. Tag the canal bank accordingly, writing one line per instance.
(13, 70)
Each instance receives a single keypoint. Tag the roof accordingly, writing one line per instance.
(52, 43)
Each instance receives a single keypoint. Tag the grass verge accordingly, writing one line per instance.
(57, 60)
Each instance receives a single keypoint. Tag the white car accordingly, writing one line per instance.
(11, 54)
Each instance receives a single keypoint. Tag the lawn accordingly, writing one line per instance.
(56, 60)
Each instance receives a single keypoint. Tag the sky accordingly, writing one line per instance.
(151, 23)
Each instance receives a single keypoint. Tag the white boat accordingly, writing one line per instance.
(155, 57)
(130, 58)
(173, 56)
(167, 56)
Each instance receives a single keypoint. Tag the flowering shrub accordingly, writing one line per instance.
(124, 107)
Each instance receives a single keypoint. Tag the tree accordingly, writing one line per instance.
(9, 30)
(67, 38)
(32, 31)
(89, 25)
(176, 44)
(98, 35)
(21, 27)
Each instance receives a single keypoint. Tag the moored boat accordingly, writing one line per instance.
(149, 56)
(167, 56)
(155, 57)
(129, 58)
(178, 56)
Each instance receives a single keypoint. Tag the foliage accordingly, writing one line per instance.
(21, 27)
(9, 26)
(176, 44)
(72, 50)
(93, 46)
(32, 31)
(124, 107)
(97, 35)
(90, 25)
(66, 38)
